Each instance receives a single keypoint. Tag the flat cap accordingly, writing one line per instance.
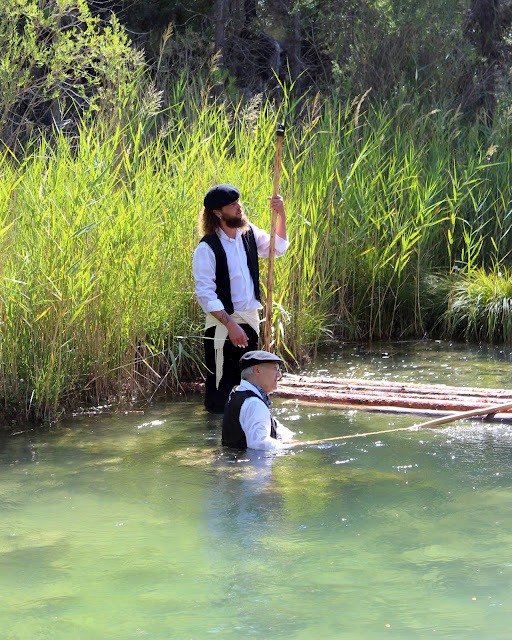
(220, 195)
(251, 358)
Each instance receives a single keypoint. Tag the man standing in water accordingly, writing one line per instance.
(248, 421)
(227, 287)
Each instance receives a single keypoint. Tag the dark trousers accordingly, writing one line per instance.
(215, 399)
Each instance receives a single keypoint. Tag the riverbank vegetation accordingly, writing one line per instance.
(399, 221)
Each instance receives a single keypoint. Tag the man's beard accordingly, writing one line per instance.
(236, 222)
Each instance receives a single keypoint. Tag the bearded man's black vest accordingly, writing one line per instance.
(232, 433)
(223, 289)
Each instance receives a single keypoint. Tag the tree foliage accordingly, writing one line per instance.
(63, 59)
(455, 50)
(58, 63)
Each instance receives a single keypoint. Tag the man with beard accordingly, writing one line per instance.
(227, 287)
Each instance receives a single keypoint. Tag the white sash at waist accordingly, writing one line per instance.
(250, 317)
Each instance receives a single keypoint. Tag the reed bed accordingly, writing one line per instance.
(97, 234)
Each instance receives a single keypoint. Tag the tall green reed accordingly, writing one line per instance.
(97, 234)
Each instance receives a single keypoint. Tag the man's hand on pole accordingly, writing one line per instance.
(277, 204)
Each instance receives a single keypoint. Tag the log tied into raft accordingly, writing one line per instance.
(398, 397)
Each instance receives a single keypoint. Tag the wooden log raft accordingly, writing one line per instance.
(380, 395)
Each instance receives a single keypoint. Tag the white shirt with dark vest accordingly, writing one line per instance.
(256, 424)
(242, 289)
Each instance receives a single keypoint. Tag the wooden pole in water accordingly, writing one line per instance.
(460, 415)
(485, 411)
(351, 435)
(272, 248)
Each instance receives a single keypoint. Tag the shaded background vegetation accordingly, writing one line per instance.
(444, 49)
(454, 51)
(115, 118)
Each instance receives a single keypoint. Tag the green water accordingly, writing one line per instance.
(140, 525)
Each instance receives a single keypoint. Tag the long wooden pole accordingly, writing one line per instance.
(484, 411)
(273, 225)
(350, 435)
(460, 415)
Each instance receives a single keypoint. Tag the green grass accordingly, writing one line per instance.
(478, 305)
(97, 235)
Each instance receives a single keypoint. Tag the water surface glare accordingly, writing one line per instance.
(142, 526)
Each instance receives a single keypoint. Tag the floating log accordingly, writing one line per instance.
(386, 395)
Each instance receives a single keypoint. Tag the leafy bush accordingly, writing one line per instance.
(58, 63)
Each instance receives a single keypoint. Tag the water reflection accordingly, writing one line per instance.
(244, 499)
